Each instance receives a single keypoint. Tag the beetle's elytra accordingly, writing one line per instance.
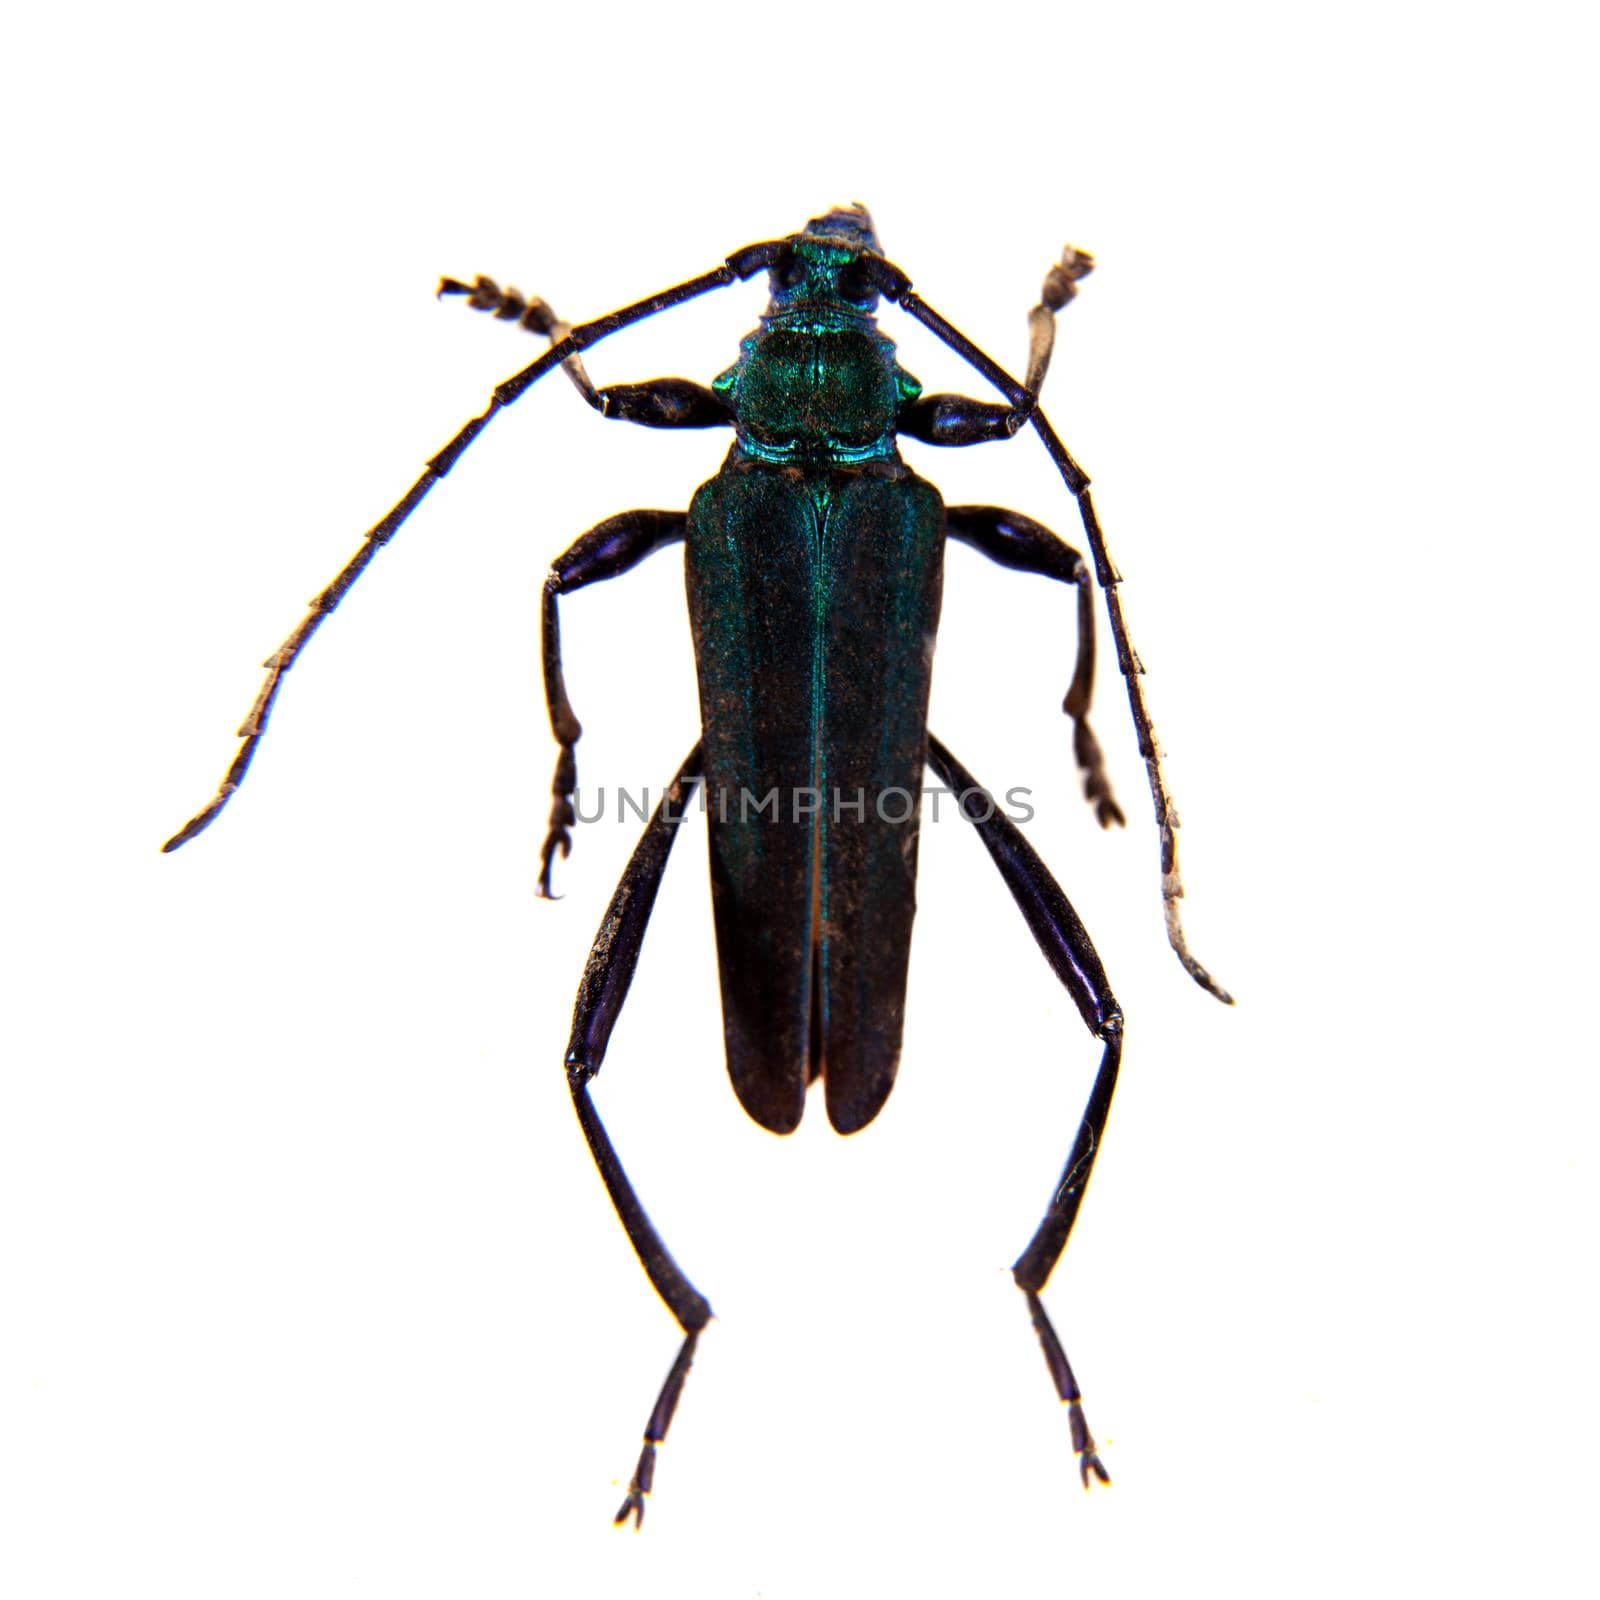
(814, 562)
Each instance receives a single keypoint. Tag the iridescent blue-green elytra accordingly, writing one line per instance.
(814, 565)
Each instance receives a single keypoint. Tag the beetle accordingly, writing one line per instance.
(814, 565)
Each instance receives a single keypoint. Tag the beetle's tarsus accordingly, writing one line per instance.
(1106, 810)
(562, 817)
(528, 312)
(1090, 1466)
(638, 1487)
(508, 304)
(1096, 780)
(1061, 281)
(558, 840)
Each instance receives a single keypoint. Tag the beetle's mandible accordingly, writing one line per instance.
(814, 563)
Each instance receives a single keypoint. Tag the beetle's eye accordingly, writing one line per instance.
(855, 285)
(789, 271)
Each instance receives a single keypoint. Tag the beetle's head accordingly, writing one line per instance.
(850, 225)
(821, 269)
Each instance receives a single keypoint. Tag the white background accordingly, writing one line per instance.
(310, 1287)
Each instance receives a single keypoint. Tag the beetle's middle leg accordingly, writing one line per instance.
(608, 549)
(1024, 545)
(601, 991)
(1062, 938)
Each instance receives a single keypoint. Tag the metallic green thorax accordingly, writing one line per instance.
(814, 565)
(817, 382)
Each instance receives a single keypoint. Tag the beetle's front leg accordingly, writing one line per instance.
(958, 419)
(611, 547)
(659, 403)
(1024, 545)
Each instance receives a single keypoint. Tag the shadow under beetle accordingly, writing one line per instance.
(814, 562)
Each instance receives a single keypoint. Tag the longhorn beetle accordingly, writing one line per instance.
(814, 560)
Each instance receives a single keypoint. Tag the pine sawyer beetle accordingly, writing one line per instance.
(814, 563)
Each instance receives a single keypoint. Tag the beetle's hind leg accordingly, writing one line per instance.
(1066, 947)
(601, 992)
